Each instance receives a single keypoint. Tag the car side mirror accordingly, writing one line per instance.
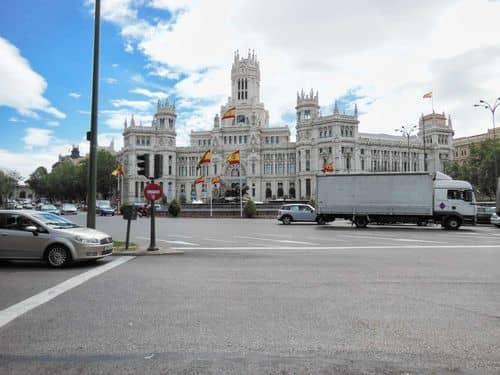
(32, 229)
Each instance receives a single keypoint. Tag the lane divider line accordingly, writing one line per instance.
(10, 313)
(341, 247)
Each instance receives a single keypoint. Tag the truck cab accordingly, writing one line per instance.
(454, 199)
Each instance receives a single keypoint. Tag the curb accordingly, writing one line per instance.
(144, 252)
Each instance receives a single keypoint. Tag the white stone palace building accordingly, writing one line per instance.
(272, 166)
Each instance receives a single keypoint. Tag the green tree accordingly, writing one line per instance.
(38, 182)
(250, 210)
(106, 183)
(174, 208)
(8, 181)
(479, 168)
(312, 202)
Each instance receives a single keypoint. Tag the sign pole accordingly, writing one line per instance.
(152, 239)
(128, 234)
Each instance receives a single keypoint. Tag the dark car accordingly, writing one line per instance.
(484, 213)
(104, 208)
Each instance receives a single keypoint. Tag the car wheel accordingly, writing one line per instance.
(58, 256)
(497, 225)
(361, 221)
(286, 220)
(321, 220)
(452, 223)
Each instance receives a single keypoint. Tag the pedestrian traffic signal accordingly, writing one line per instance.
(143, 165)
(158, 168)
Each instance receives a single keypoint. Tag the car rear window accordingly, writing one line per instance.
(285, 208)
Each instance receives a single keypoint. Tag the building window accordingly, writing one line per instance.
(308, 160)
(253, 167)
(307, 114)
(162, 123)
(280, 190)
(136, 189)
(308, 188)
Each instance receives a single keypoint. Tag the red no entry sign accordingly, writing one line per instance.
(152, 192)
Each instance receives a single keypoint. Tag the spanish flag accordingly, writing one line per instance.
(205, 158)
(327, 167)
(118, 171)
(428, 95)
(230, 113)
(199, 180)
(234, 157)
(215, 180)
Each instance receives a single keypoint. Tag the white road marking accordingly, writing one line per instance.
(274, 240)
(172, 241)
(180, 242)
(217, 240)
(342, 247)
(179, 235)
(14, 311)
(390, 238)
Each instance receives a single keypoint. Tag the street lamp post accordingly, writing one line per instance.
(492, 109)
(406, 131)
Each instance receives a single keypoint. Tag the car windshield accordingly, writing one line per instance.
(49, 207)
(54, 221)
(69, 206)
(104, 204)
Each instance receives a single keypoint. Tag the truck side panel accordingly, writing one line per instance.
(375, 194)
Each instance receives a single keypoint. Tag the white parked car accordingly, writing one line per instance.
(45, 236)
(495, 219)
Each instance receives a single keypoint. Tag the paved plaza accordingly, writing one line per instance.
(257, 297)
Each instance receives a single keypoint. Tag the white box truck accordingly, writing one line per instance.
(395, 198)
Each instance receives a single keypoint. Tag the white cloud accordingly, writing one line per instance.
(129, 48)
(139, 105)
(114, 65)
(115, 118)
(150, 94)
(393, 52)
(22, 88)
(74, 95)
(137, 78)
(54, 124)
(111, 81)
(37, 137)
(15, 119)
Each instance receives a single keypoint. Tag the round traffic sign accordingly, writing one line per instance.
(152, 192)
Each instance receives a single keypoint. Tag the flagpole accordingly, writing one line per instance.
(241, 188)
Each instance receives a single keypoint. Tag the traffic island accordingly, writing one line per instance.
(135, 250)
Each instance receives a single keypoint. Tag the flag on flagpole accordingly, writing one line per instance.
(205, 158)
(118, 171)
(327, 167)
(428, 95)
(215, 180)
(199, 180)
(234, 157)
(230, 113)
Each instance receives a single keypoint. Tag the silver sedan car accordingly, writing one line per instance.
(45, 236)
(296, 212)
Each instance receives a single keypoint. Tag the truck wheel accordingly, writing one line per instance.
(452, 223)
(286, 220)
(360, 221)
(321, 220)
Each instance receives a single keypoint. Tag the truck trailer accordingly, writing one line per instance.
(395, 198)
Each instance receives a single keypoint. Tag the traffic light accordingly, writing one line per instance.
(143, 165)
(158, 169)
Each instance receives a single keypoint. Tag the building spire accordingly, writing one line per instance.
(336, 108)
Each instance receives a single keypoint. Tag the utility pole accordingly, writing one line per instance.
(92, 135)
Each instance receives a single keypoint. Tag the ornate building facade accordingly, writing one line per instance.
(272, 166)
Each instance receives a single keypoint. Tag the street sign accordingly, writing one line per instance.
(152, 192)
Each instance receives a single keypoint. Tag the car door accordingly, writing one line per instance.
(17, 242)
(309, 214)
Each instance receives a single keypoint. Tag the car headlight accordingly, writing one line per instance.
(87, 241)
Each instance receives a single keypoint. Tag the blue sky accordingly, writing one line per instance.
(382, 56)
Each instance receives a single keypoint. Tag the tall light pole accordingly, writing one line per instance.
(406, 131)
(492, 109)
(92, 135)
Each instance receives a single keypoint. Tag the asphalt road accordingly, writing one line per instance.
(256, 297)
